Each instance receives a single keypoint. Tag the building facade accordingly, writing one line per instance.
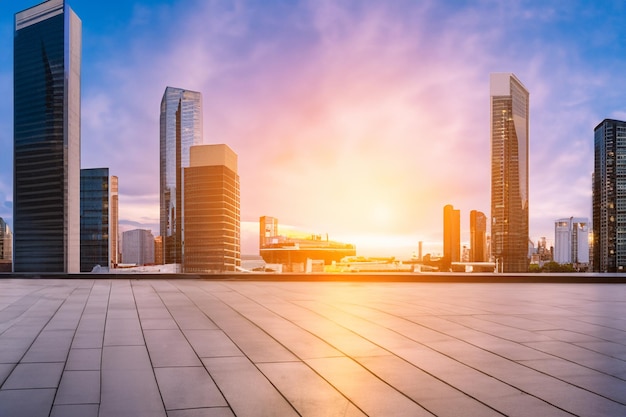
(211, 224)
(451, 234)
(181, 128)
(609, 197)
(46, 162)
(114, 224)
(138, 247)
(478, 237)
(98, 219)
(509, 172)
(571, 241)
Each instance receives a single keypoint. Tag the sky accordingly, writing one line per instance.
(356, 118)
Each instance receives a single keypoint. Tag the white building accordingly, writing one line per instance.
(571, 241)
(138, 247)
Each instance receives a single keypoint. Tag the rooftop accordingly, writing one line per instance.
(192, 347)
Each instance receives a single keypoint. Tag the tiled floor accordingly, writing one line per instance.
(183, 348)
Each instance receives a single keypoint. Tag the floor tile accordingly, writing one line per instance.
(35, 375)
(188, 387)
(26, 403)
(246, 389)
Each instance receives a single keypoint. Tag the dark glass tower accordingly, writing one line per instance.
(181, 128)
(95, 218)
(509, 173)
(609, 198)
(46, 191)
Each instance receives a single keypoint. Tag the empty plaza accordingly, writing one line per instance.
(192, 347)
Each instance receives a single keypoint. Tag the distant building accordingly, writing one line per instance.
(158, 250)
(294, 253)
(609, 200)
(478, 237)
(181, 128)
(114, 225)
(571, 241)
(138, 247)
(211, 224)
(46, 163)
(98, 228)
(509, 172)
(6, 247)
(451, 234)
(268, 231)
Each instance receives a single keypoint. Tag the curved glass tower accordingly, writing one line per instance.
(46, 85)
(181, 128)
(509, 173)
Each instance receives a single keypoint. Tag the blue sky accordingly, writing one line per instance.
(357, 118)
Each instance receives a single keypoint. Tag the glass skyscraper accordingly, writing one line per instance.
(609, 197)
(46, 191)
(509, 172)
(181, 128)
(98, 219)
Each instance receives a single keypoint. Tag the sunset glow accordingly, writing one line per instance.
(360, 119)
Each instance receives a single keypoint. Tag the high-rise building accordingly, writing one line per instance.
(451, 234)
(211, 224)
(6, 242)
(509, 172)
(181, 128)
(98, 219)
(609, 200)
(571, 241)
(138, 247)
(115, 222)
(46, 162)
(478, 237)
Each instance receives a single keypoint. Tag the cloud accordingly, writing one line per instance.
(341, 111)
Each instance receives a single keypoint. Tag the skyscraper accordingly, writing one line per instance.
(98, 219)
(115, 222)
(46, 161)
(181, 128)
(509, 172)
(6, 242)
(211, 225)
(451, 234)
(609, 200)
(571, 241)
(478, 236)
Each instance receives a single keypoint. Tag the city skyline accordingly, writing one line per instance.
(343, 123)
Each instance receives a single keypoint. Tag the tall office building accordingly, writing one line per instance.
(46, 161)
(571, 241)
(181, 128)
(609, 200)
(478, 236)
(451, 234)
(6, 242)
(114, 224)
(98, 219)
(509, 172)
(211, 224)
